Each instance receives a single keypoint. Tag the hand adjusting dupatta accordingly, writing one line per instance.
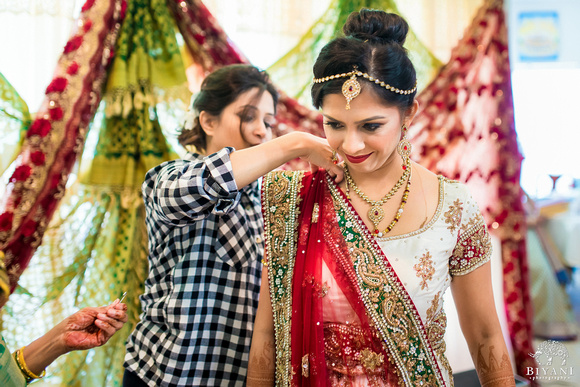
(308, 236)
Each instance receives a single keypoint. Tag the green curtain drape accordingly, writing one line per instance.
(14, 121)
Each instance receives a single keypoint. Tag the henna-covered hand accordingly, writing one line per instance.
(93, 327)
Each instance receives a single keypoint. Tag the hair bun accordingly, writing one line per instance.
(377, 26)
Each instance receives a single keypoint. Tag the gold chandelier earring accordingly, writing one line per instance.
(404, 148)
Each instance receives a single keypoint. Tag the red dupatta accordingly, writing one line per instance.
(320, 240)
(304, 228)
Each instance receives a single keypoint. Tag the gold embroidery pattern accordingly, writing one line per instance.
(453, 216)
(425, 269)
(436, 325)
(387, 303)
(315, 213)
(348, 351)
(371, 360)
(305, 366)
(473, 248)
(280, 206)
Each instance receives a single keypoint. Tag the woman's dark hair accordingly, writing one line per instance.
(218, 90)
(373, 42)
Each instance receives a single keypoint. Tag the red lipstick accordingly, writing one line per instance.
(357, 159)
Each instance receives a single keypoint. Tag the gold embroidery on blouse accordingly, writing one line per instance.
(473, 248)
(453, 216)
(425, 269)
(472, 222)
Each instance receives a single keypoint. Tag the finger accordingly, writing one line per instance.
(108, 328)
(337, 172)
(121, 306)
(120, 315)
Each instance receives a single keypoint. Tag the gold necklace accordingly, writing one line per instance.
(400, 210)
(376, 213)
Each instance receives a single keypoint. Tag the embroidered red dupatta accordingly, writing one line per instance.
(307, 233)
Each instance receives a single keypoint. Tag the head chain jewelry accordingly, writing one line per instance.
(351, 87)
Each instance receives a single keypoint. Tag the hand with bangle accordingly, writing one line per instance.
(88, 328)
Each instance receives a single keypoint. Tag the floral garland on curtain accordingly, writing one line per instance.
(464, 129)
(55, 138)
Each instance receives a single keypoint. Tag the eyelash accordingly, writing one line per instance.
(369, 126)
(333, 125)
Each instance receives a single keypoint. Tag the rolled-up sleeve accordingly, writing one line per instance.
(182, 191)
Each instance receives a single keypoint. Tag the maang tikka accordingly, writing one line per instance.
(404, 148)
(351, 88)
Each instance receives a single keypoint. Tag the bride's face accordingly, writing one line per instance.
(366, 136)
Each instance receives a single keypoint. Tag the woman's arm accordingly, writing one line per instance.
(251, 163)
(183, 191)
(262, 363)
(473, 296)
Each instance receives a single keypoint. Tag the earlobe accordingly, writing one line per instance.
(207, 123)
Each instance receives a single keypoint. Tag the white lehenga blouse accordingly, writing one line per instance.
(454, 242)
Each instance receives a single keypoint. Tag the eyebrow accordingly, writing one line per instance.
(357, 122)
(244, 107)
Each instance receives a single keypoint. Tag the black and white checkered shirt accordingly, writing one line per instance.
(205, 251)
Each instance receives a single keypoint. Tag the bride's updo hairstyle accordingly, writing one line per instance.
(373, 42)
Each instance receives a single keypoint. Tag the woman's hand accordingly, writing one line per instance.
(87, 328)
(319, 154)
(93, 327)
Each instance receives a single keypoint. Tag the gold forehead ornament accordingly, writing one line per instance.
(351, 87)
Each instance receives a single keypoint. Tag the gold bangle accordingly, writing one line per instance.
(29, 375)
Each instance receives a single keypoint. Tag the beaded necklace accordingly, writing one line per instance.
(376, 212)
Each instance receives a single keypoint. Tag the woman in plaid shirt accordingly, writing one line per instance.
(205, 233)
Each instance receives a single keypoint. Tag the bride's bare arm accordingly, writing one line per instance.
(473, 297)
(261, 367)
